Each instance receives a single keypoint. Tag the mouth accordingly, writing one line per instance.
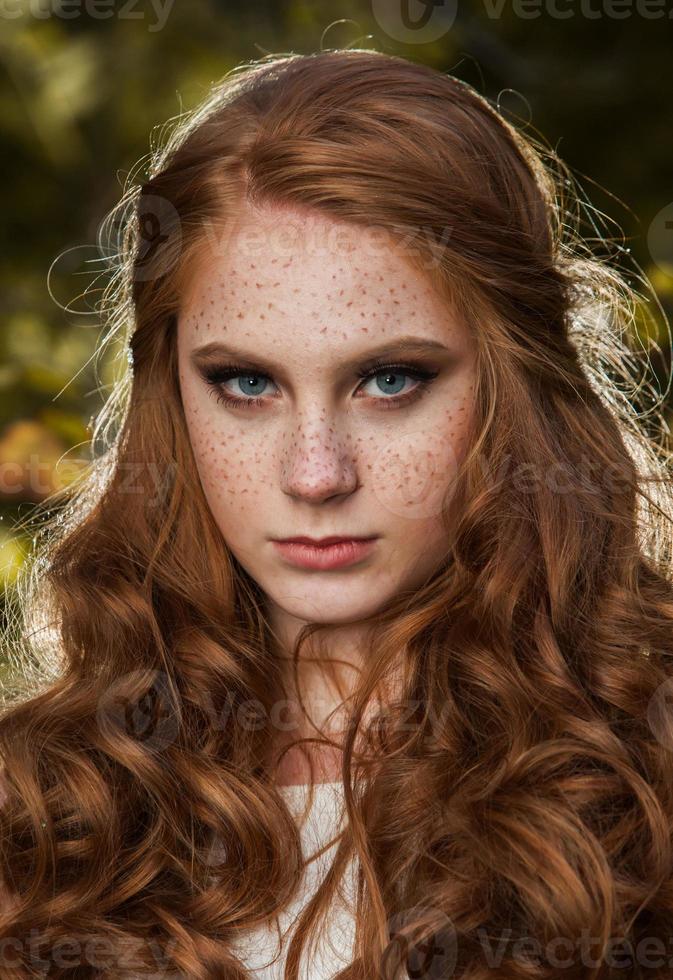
(323, 542)
(324, 553)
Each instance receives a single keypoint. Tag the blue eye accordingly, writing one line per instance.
(397, 381)
(252, 388)
(253, 383)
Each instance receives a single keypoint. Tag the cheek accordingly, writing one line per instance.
(411, 476)
(236, 471)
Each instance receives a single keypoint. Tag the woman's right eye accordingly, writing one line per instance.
(253, 385)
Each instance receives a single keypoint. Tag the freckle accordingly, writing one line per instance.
(239, 316)
(350, 303)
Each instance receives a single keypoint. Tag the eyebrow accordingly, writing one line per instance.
(403, 346)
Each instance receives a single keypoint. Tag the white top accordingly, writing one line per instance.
(258, 947)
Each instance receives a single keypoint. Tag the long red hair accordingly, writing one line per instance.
(520, 785)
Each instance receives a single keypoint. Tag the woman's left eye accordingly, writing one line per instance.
(390, 381)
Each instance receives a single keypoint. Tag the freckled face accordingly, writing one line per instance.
(296, 430)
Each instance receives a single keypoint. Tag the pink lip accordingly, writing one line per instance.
(323, 556)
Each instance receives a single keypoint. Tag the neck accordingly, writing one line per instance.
(328, 669)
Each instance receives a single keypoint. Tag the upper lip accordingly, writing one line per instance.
(334, 539)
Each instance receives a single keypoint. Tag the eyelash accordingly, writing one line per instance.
(215, 377)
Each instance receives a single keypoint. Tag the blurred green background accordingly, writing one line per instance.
(85, 82)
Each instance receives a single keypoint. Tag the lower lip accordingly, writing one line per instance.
(327, 556)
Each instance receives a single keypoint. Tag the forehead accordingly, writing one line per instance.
(275, 275)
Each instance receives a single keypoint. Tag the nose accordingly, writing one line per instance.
(317, 462)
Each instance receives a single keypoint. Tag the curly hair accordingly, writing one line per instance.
(517, 789)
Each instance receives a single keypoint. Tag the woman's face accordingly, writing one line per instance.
(309, 435)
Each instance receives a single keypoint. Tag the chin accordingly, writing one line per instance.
(333, 606)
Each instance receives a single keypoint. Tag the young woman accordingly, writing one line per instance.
(356, 306)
